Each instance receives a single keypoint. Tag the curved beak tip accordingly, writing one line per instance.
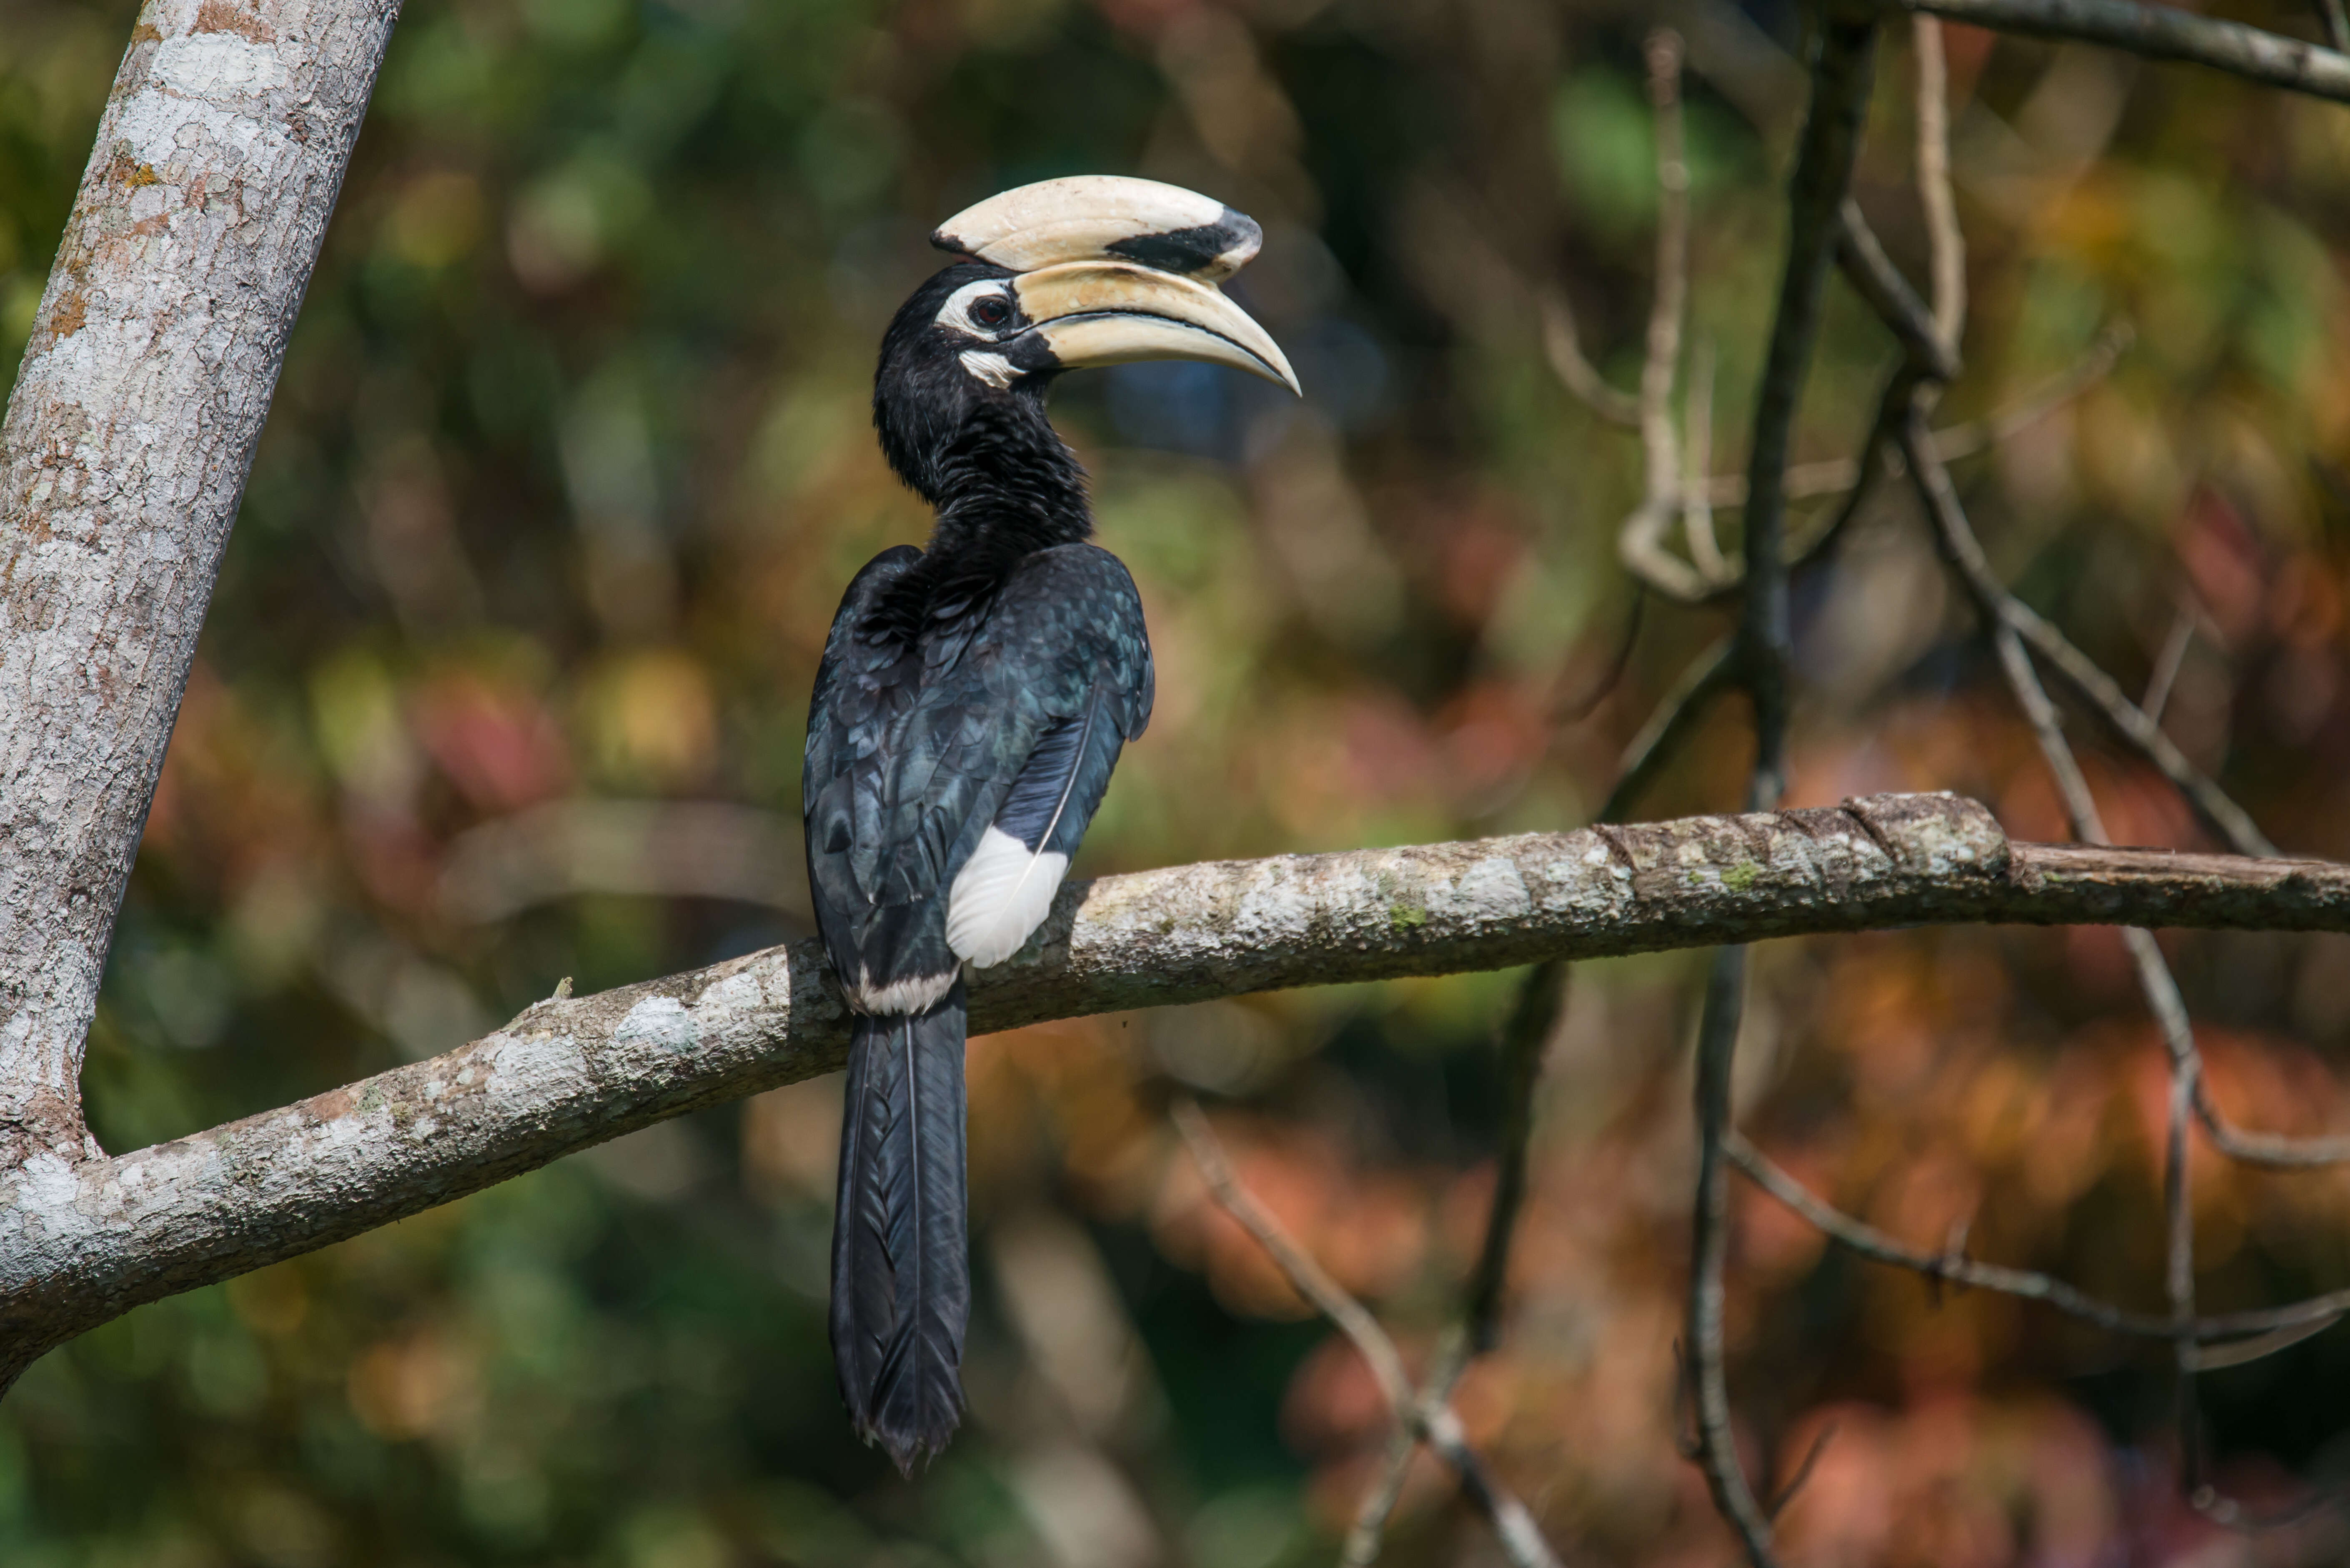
(1116, 312)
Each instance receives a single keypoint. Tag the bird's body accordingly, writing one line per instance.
(972, 699)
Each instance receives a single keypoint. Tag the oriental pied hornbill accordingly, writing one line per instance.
(972, 703)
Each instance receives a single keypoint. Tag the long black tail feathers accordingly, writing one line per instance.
(900, 1264)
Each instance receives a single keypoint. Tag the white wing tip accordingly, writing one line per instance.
(1000, 897)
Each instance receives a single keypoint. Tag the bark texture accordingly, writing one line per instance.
(2163, 33)
(136, 408)
(82, 1241)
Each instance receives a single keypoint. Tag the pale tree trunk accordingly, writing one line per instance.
(128, 436)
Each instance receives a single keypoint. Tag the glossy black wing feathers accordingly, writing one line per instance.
(1054, 799)
(863, 689)
(912, 753)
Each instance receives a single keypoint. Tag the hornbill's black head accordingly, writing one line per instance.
(1096, 270)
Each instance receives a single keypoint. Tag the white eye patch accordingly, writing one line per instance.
(990, 298)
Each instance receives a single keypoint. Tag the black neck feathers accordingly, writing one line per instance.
(1008, 482)
(1005, 486)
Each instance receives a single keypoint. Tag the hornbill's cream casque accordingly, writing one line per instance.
(972, 703)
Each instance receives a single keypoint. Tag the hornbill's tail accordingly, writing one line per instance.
(901, 1268)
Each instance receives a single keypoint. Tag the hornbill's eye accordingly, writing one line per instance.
(990, 311)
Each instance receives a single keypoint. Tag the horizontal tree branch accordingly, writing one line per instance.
(2163, 33)
(82, 1241)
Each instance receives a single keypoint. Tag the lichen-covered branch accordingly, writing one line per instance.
(83, 1241)
(136, 411)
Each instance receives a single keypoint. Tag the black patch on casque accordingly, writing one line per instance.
(1190, 251)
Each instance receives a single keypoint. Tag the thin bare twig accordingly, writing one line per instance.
(2163, 33)
(1946, 240)
(1330, 1298)
(1439, 1428)
(1842, 70)
(1650, 411)
(2275, 1151)
(1705, 577)
(1787, 1494)
(1583, 707)
(1640, 548)
(2014, 624)
(1964, 553)
(1697, 442)
(2335, 17)
(1877, 459)
(1714, 1439)
(2168, 663)
(2250, 1335)
(1563, 347)
(1669, 302)
(1930, 358)
(1832, 476)
(1708, 675)
(2244, 1352)
(2188, 1096)
(1368, 1534)
(1541, 997)
(2048, 728)
(1672, 297)
(1930, 334)
(2089, 681)
(2161, 993)
(2178, 1222)
(1872, 273)
(2160, 989)
(1641, 541)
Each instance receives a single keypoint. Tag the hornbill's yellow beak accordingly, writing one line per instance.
(1112, 270)
(1113, 313)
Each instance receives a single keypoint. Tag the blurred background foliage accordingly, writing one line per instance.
(505, 679)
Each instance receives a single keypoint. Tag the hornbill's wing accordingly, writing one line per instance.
(948, 783)
(862, 690)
